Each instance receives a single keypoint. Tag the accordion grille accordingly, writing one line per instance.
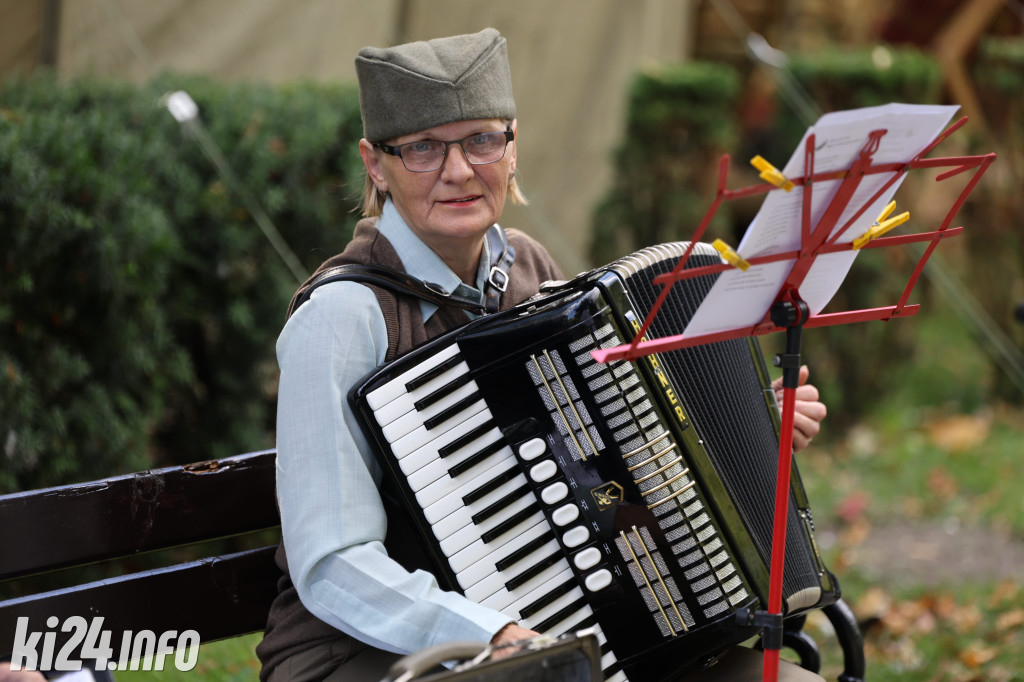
(727, 408)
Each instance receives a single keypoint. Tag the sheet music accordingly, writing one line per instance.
(741, 299)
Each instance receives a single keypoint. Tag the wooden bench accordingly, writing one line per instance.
(218, 595)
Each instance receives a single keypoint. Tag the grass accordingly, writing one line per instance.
(956, 633)
(936, 623)
(937, 462)
(231, 660)
(946, 466)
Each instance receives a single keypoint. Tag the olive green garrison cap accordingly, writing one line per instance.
(416, 86)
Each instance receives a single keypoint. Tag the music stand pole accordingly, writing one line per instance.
(791, 312)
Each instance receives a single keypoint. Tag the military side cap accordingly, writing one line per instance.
(415, 86)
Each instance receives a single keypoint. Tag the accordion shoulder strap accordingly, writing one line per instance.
(393, 280)
(502, 256)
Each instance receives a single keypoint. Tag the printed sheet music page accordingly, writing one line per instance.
(740, 299)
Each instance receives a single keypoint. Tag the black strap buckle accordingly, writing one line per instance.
(502, 256)
(502, 276)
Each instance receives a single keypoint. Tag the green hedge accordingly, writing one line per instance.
(139, 301)
(999, 68)
(679, 122)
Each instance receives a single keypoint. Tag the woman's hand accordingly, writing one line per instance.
(509, 634)
(808, 412)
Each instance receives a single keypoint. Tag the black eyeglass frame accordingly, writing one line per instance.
(396, 149)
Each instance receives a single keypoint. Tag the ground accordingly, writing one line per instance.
(933, 554)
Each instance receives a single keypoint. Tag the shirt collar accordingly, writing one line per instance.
(421, 262)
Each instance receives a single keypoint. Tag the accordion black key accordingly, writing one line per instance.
(634, 497)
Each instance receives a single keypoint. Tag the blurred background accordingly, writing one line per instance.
(146, 263)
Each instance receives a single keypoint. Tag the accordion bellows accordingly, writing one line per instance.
(635, 497)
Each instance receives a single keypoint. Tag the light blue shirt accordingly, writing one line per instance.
(332, 516)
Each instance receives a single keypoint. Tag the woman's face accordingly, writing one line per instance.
(453, 206)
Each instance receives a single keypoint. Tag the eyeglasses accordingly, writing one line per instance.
(424, 156)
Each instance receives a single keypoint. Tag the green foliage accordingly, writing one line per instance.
(855, 363)
(87, 354)
(845, 79)
(679, 121)
(140, 301)
(841, 79)
(1000, 65)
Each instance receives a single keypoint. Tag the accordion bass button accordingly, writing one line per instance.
(554, 492)
(574, 537)
(587, 558)
(565, 514)
(533, 448)
(598, 580)
(543, 471)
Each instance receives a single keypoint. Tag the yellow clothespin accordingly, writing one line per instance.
(731, 257)
(882, 225)
(770, 173)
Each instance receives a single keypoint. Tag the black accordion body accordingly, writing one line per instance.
(634, 497)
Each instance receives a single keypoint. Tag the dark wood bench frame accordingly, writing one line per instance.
(220, 595)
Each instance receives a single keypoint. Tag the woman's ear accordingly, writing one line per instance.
(512, 161)
(373, 165)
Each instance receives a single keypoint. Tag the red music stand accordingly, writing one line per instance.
(789, 313)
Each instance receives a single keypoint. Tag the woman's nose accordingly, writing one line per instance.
(456, 166)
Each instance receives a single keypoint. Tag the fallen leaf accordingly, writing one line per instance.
(959, 432)
(965, 618)
(977, 655)
(909, 617)
(944, 605)
(942, 483)
(1006, 591)
(874, 603)
(1010, 619)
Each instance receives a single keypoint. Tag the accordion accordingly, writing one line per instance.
(634, 497)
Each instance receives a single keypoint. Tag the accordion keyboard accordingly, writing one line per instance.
(475, 495)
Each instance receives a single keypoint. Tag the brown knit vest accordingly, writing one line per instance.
(291, 628)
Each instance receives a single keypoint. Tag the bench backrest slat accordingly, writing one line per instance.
(73, 525)
(217, 597)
